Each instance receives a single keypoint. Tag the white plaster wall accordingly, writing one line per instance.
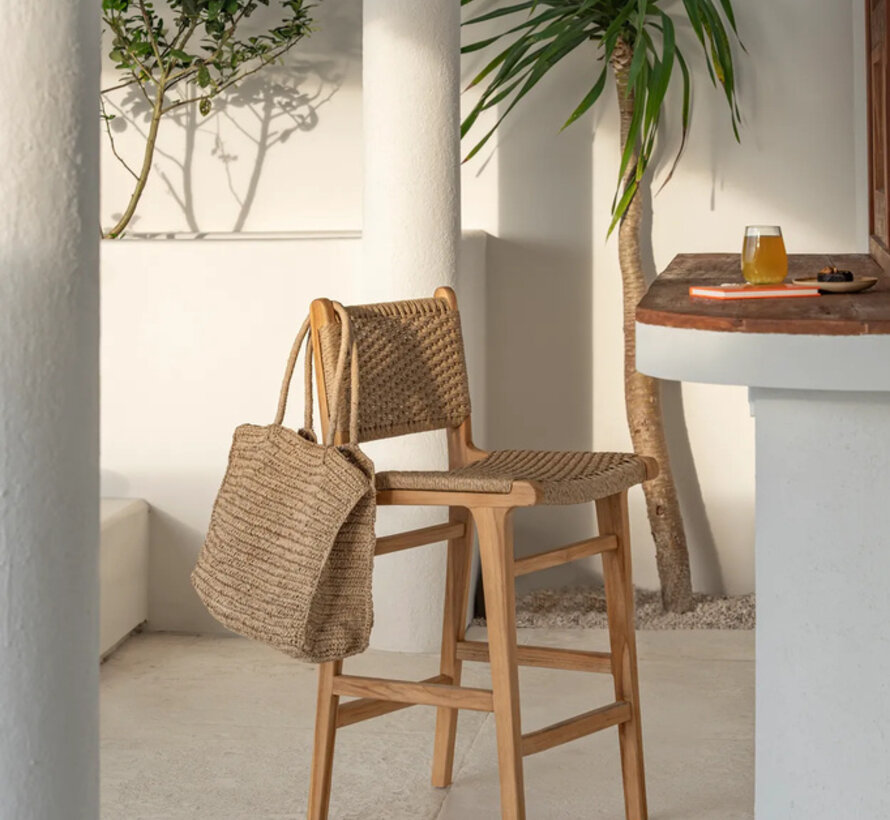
(554, 352)
(801, 164)
(281, 154)
(195, 336)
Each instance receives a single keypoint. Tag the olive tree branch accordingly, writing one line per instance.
(187, 31)
(120, 159)
(142, 178)
(151, 33)
(127, 44)
(264, 61)
(192, 69)
(156, 58)
(119, 86)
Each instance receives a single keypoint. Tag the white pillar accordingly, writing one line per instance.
(411, 121)
(411, 236)
(49, 329)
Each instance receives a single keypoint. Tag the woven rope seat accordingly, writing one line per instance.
(564, 477)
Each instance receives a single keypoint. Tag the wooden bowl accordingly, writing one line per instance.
(858, 284)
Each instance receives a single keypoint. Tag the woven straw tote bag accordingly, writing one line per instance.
(289, 552)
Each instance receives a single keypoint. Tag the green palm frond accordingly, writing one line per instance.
(540, 33)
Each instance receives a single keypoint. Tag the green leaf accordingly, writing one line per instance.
(661, 77)
(622, 205)
(697, 26)
(592, 96)
(730, 14)
(507, 58)
(530, 24)
(636, 64)
(203, 76)
(529, 5)
(722, 56)
(633, 133)
(536, 45)
(478, 46)
(560, 47)
(687, 85)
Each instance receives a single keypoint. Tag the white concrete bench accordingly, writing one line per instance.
(123, 570)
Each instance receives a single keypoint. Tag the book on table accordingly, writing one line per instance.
(736, 291)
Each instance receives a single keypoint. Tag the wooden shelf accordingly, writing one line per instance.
(668, 303)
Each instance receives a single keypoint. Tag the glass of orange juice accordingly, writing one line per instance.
(764, 261)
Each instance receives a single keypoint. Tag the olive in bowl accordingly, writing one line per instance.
(832, 274)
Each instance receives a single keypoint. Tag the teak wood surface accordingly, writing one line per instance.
(668, 302)
(491, 515)
(547, 657)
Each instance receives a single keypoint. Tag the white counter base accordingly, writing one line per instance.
(823, 605)
(822, 409)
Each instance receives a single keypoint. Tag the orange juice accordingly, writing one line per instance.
(764, 261)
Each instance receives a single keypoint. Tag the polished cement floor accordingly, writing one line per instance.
(204, 727)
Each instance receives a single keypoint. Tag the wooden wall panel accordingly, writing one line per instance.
(878, 110)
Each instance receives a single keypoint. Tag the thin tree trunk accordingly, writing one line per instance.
(147, 159)
(642, 393)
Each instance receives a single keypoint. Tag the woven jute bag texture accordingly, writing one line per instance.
(289, 553)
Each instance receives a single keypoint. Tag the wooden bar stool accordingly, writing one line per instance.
(413, 378)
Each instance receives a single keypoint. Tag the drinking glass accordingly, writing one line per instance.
(764, 261)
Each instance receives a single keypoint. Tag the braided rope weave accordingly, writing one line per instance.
(565, 477)
(413, 378)
(413, 375)
(289, 552)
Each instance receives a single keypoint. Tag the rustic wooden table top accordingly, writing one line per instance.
(668, 302)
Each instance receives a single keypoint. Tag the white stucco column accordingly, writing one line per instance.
(411, 121)
(411, 236)
(49, 333)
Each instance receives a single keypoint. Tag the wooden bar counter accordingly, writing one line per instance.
(818, 372)
(668, 303)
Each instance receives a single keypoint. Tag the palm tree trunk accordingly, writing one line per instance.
(642, 394)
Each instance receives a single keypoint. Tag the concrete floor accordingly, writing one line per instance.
(214, 727)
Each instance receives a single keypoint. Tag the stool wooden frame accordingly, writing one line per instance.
(491, 515)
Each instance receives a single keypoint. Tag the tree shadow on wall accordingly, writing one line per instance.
(267, 110)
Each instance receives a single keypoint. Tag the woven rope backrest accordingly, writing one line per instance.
(412, 372)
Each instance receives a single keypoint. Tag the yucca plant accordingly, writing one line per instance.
(636, 44)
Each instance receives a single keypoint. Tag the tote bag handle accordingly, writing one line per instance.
(347, 340)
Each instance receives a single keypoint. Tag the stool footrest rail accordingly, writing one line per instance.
(576, 727)
(410, 693)
(574, 660)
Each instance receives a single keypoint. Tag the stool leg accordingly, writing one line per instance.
(325, 729)
(612, 517)
(496, 551)
(454, 624)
